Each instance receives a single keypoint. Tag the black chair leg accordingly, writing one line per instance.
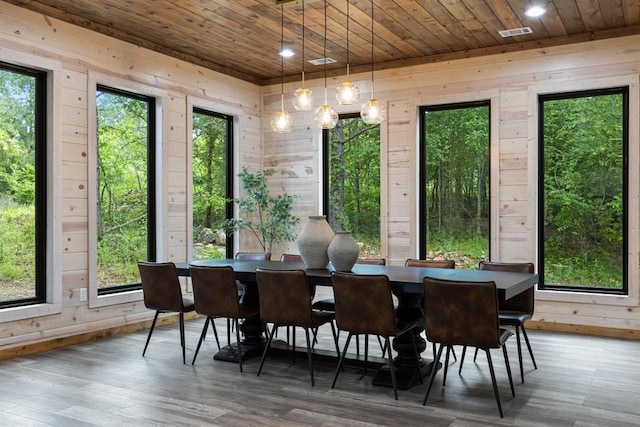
(202, 335)
(434, 369)
(446, 366)
(215, 332)
(238, 345)
(391, 368)
(309, 355)
(506, 362)
(341, 361)
(366, 353)
(464, 352)
(182, 341)
(266, 348)
(526, 339)
(335, 338)
(493, 381)
(153, 325)
(519, 353)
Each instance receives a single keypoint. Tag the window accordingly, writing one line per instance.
(352, 181)
(212, 169)
(23, 183)
(583, 198)
(125, 186)
(454, 183)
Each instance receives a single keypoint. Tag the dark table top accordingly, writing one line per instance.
(403, 279)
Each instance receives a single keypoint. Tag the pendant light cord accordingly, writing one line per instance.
(325, 52)
(282, 57)
(372, 94)
(303, 31)
(348, 60)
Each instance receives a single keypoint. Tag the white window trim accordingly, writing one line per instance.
(237, 115)
(633, 226)
(53, 304)
(94, 80)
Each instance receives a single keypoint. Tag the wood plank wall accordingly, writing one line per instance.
(512, 82)
(80, 57)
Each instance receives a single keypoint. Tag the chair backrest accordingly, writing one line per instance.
(291, 258)
(461, 313)
(523, 302)
(372, 261)
(430, 263)
(254, 256)
(363, 303)
(160, 286)
(214, 291)
(285, 298)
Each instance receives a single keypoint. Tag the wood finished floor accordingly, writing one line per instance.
(580, 381)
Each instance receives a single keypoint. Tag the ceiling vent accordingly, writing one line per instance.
(322, 61)
(515, 32)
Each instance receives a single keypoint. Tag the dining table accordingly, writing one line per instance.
(407, 284)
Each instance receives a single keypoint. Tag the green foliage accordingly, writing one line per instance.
(268, 217)
(583, 184)
(122, 187)
(354, 179)
(17, 243)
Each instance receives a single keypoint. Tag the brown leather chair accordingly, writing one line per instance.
(328, 304)
(291, 258)
(464, 313)
(162, 292)
(215, 295)
(285, 300)
(374, 314)
(434, 263)
(517, 310)
(430, 263)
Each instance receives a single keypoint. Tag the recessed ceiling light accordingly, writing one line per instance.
(286, 53)
(535, 11)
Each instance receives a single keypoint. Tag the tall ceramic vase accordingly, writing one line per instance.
(314, 240)
(343, 251)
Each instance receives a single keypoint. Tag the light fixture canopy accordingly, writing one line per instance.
(281, 121)
(372, 111)
(347, 92)
(326, 117)
(303, 97)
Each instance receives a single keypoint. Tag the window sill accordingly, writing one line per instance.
(587, 298)
(29, 311)
(96, 300)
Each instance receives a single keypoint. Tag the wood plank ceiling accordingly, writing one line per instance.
(241, 38)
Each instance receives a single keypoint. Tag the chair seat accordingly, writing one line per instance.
(513, 318)
(328, 304)
(188, 304)
(321, 317)
(504, 335)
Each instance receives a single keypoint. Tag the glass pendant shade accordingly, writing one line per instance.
(372, 112)
(281, 121)
(302, 99)
(326, 117)
(347, 93)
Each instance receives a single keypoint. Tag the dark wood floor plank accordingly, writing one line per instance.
(580, 381)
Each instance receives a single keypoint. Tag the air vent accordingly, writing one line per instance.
(322, 61)
(515, 32)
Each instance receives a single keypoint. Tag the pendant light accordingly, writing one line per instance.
(302, 98)
(347, 92)
(281, 120)
(372, 111)
(326, 117)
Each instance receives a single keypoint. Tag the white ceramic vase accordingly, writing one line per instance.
(343, 251)
(314, 240)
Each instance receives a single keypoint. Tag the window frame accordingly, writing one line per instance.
(326, 155)
(95, 80)
(229, 188)
(623, 90)
(422, 199)
(52, 302)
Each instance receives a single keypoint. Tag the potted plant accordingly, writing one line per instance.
(266, 216)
